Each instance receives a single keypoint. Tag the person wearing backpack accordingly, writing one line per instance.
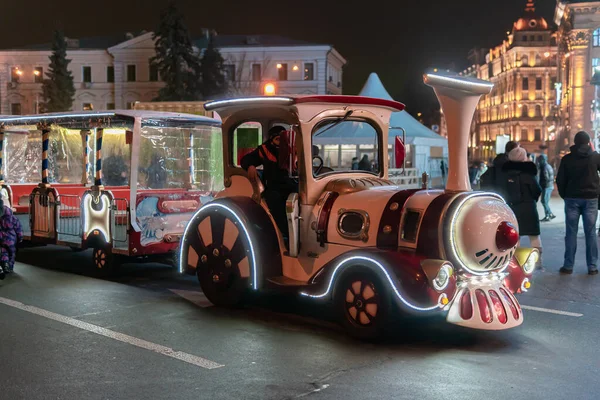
(494, 178)
(546, 180)
(579, 185)
(522, 192)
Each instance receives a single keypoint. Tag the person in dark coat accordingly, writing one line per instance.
(522, 192)
(364, 163)
(494, 178)
(579, 185)
(11, 233)
(273, 155)
(546, 180)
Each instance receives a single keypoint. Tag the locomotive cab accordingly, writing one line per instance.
(354, 237)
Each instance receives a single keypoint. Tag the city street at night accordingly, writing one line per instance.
(150, 333)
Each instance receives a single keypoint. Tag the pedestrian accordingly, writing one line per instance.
(546, 180)
(481, 169)
(522, 192)
(579, 185)
(494, 178)
(354, 163)
(364, 163)
(443, 169)
(473, 172)
(10, 234)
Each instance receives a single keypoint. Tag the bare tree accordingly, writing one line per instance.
(244, 84)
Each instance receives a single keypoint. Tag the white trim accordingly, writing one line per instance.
(374, 262)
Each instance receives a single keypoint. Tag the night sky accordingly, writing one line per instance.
(396, 39)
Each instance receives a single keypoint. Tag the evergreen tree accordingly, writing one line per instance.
(58, 89)
(214, 83)
(177, 62)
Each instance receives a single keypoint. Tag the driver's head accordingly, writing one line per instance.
(275, 134)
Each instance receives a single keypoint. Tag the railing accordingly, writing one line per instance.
(69, 215)
(409, 180)
(42, 213)
(119, 221)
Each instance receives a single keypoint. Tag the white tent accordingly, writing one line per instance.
(425, 147)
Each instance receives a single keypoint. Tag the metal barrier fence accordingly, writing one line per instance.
(42, 213)
(409, 180)
(119, 220)
(69, 215)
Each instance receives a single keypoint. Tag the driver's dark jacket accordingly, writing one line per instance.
(274, 177)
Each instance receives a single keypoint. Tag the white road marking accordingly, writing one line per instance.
(157, 348)
(198, 298)
(551, 311)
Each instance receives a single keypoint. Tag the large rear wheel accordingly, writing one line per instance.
(218, 247)
(363, 303)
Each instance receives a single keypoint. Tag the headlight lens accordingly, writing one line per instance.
(443, 277)
(529, 265)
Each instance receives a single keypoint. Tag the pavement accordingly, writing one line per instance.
(150, 334)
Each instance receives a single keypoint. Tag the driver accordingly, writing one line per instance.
(273, 155)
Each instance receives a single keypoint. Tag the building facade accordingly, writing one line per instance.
(579, 58)
(114, 73)
(522, 104)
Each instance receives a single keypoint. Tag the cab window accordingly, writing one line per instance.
(246, 138)
(346, 146)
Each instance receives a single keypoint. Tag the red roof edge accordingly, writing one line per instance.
(361, 100)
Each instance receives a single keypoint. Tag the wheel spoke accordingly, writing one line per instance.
(196, 242)
(372, 300)
(217, 225)
(365, 318)
(362, 288)
(349, 297)
(237, 252)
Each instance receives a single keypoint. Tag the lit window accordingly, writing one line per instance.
(595, 64)
(131, 73)
(88, 106)
(596, 38)
(309, 72)
(282, 72)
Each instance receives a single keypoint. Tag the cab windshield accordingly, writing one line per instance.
(346, 146)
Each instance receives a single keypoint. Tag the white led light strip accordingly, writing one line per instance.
(92, 218)
(461, 81)
(239, 220)
(52, 117)
(247, 100)
(378, 264)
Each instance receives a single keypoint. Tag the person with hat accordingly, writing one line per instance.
(273, 155)
(579, 185)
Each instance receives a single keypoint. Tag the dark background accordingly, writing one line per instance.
(396, 39)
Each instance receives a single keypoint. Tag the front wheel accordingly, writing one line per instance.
(363, 304)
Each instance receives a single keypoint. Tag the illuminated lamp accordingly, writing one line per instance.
(547, 54)
(19, 72)
(295, 68)
(36, 73)
(567, 55)
(269, 89)
(279, 66)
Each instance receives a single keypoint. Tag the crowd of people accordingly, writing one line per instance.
(523, 182)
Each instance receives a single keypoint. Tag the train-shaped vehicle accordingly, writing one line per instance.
(353, 237)
(124, 183)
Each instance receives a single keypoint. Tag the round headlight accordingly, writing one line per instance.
(443, 277)
(529, 265)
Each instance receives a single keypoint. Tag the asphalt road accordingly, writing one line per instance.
(150, 334)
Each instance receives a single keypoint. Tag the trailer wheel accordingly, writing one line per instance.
(363, 304)
(218, 246)
(105, 263)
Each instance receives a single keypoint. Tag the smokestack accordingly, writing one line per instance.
(458, 98)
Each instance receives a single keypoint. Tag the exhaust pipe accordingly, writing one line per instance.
(458, 98)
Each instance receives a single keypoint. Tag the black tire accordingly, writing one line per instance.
(363, 303)
(105, 263)
(221, 261)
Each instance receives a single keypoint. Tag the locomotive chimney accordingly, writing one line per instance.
(458, 98)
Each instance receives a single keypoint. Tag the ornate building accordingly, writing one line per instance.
(578, 58)
(521, 105)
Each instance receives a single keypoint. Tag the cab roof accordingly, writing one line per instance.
(116, 118)
(294, 100)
